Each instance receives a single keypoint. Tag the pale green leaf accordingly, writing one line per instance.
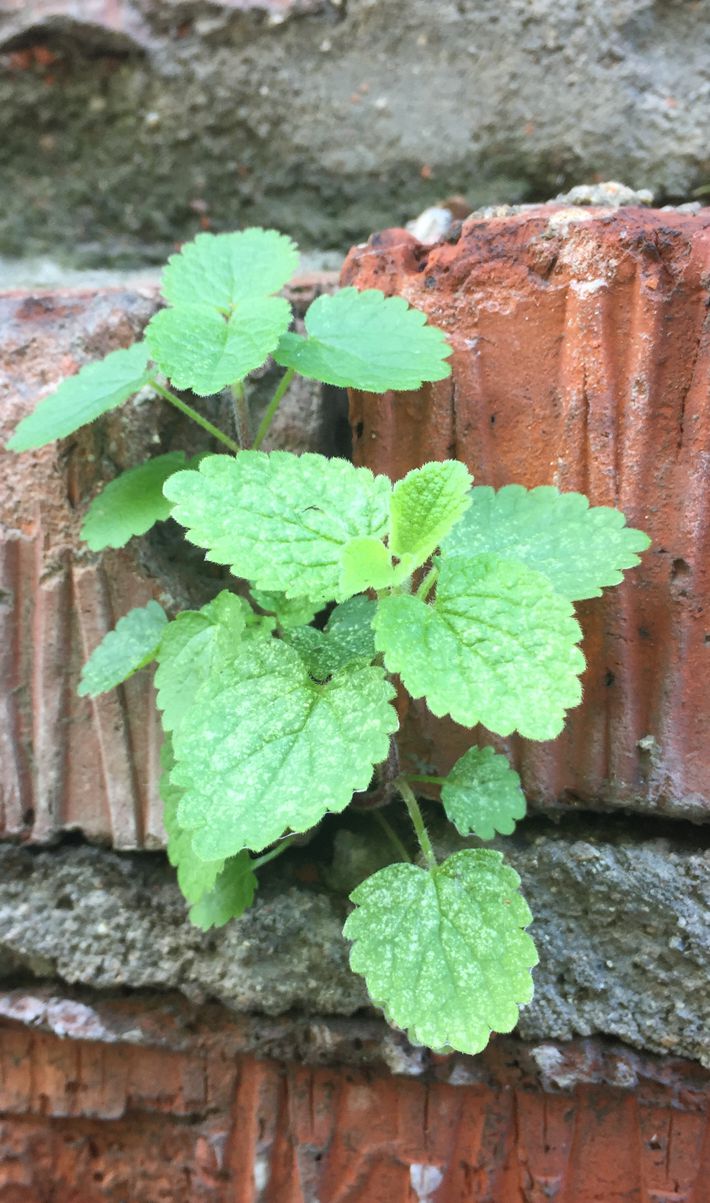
(200, 349)
(280, 520)
(350, 624)
(425, 505)
(368, 341)
(131, 504)
(482, 794)
(222, 270)
(345, 641)
(231, 895)
(580, 549)
(96, 388)
(443, 952)
(195, 646)
(496, 647)
(265, 749)
(365, 563)
(196, 877)
(288, 612)
(131, 645)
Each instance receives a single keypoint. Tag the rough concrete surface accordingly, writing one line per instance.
(621, 925)
(125, 126)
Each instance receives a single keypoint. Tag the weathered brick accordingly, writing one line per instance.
(581, 359)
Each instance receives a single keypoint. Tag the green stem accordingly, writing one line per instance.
(242, 415)
(192, 413)
(427, 584)
(272, 407)
(428, 780)
(273, 853)
(417, 818)
(392, 836)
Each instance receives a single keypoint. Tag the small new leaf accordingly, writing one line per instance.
(581, 549)
(288, 612)
(231, 895)
(365, 563)
(265, 749)
(131, 645)
(95, 389)
(131, 504)
(482, 794)
(192, 648)
(496, 647)
(425, 505)
(196, 877)
(443, 951)
(368, 341)
(203, 350)
(221, 270)
(295, 515)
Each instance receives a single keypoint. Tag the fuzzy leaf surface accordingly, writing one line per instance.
(368, 341)
(482, 794)
(196, 877)
(497, 646)
(131, 504)
(425, 505)
(346, 640)
(365, 563)
(199, 348)
(230, 896)
(581, 549)
(280, 520)
(131, 645)
(195, 646)
(288, 612)
(222, 270)
(82, 398)
(266, 749)
(351, 624)
(443, 951)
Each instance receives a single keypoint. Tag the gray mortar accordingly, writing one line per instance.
(621, 927)
(342, 118)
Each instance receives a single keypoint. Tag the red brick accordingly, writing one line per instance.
(581, 359)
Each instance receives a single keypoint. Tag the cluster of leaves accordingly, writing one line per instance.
(277, 708)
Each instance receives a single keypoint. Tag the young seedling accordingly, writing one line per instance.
(271, 719)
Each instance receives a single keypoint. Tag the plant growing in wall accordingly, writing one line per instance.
(278, 707)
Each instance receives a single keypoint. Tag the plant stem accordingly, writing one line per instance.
(272, 407)
(417, 818)
(392, 836)
(192, 413)
(242, 415)
(272, 853)
(427, 779)
(427, 584)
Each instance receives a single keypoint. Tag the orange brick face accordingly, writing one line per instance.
(93, 1122)
(581, 359)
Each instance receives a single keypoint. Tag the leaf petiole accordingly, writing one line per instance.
(417, 818)
(272, 407)
(273, 852)
(426, 779)
(193, 414)
(242, 414)
(392, 836)
(427, 584)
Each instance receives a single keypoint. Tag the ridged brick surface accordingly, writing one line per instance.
(581, 359)
(66, 762)
(180, 1113)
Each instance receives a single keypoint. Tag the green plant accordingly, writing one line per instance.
(279, 708)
